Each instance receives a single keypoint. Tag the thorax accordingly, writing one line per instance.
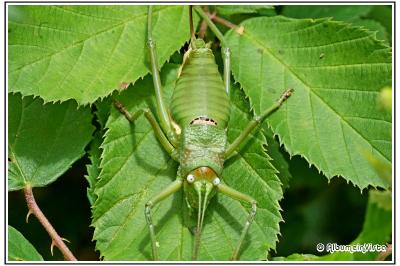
(202, 145)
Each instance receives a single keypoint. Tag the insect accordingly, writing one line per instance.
(195, 133)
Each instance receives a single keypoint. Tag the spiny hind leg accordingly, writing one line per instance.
(250, 218)
(168, 191)
(153, 122)
(255, 122)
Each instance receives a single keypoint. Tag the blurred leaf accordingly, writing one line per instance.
(103, 109)
(381, 167)
(135, 168)
(227, 10)
(385, 99)
(19, 248)
(372, 25)
(383, 14)
(44, 140)
(355, 15)
(381, 198)
(337, 12)
(297, 257)
(377, 229)
(336, 72)
(86, 52)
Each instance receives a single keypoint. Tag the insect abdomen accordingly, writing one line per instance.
(200, 92)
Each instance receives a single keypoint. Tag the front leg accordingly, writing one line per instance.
(250, 218)
(255, 122)
(171, 189)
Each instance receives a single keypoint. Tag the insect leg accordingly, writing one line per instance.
(255, 122)
(161, 108)
(154, 124)
(171, 189)
(240, 196)
(227, 69)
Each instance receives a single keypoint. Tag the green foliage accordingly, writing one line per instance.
(129, 178)
(93, 169)
(19, 248)
(342, 12)
(357, 15)
(44, 140)
(228, 10)
(383, 14)
(86, 52)
(279, 160)
(336, 72)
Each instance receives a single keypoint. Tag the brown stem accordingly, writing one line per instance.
(203, 26)
(191, 22)
(222, 21)
(56, 239)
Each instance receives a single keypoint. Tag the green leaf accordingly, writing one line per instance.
(19, 248)
(279, 158)
(44, 140)
(342, 12)
(134, 168)
(381, 198)
(383, 14)
(297, 257)
(372, 25)
(355, 15)
(228, 10)
(93, 169)
(336, 72)
(103, 111)
(87, 52)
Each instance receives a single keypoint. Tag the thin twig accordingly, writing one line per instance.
(203, 26)
(56, 239)
(222, 21)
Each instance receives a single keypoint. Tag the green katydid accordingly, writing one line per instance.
(195, 134)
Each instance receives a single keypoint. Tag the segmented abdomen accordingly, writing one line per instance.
(200, 92)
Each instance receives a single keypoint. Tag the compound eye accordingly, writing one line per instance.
(190, 178)
(216, 181)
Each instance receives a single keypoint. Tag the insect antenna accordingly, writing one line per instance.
(198, 229)
(200, 220)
